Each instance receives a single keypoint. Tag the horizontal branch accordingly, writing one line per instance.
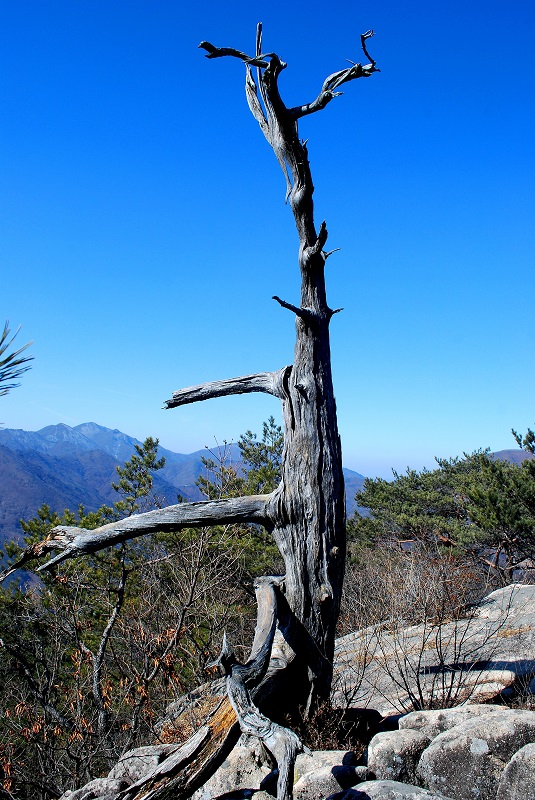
(73, 542)
(268, 382)
(220, 52)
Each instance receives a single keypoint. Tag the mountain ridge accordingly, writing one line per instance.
(66, 466)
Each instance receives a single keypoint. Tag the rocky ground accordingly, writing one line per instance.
(478, 750)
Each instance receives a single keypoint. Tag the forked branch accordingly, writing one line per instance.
(272, 61)
(279, 123)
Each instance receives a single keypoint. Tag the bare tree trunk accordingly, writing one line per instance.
(306, 513)
(308, 509)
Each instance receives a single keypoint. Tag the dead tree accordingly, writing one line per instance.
(291, 662)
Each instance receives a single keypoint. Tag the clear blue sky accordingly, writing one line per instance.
(144, 230)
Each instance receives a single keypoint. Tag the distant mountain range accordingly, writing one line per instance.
(65, 467)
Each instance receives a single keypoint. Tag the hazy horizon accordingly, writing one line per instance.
(144, 228)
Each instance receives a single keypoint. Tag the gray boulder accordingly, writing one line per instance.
(518, 778)
(135, 764)
(394, 755)
(318, 759)
(328, 780)
(249, 769)
(99, 789)
(431, 723)
(388, 790)
(246, 769)
(468, 760)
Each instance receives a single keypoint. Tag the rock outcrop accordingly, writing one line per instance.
(489, 654)
(469, 752)
(518, 778)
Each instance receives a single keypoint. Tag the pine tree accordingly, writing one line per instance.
(262, 458)
(12, 365)
(136, 477)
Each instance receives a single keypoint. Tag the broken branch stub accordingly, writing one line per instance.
(268, 382)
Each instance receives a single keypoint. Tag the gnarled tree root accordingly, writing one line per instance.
(242, 679)
(193, 762)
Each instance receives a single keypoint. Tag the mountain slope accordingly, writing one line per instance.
(65, 467)
(30, 478)
(180, 470)
(354, 482)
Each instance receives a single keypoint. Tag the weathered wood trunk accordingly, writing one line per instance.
(306, 513)
(308, 509)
